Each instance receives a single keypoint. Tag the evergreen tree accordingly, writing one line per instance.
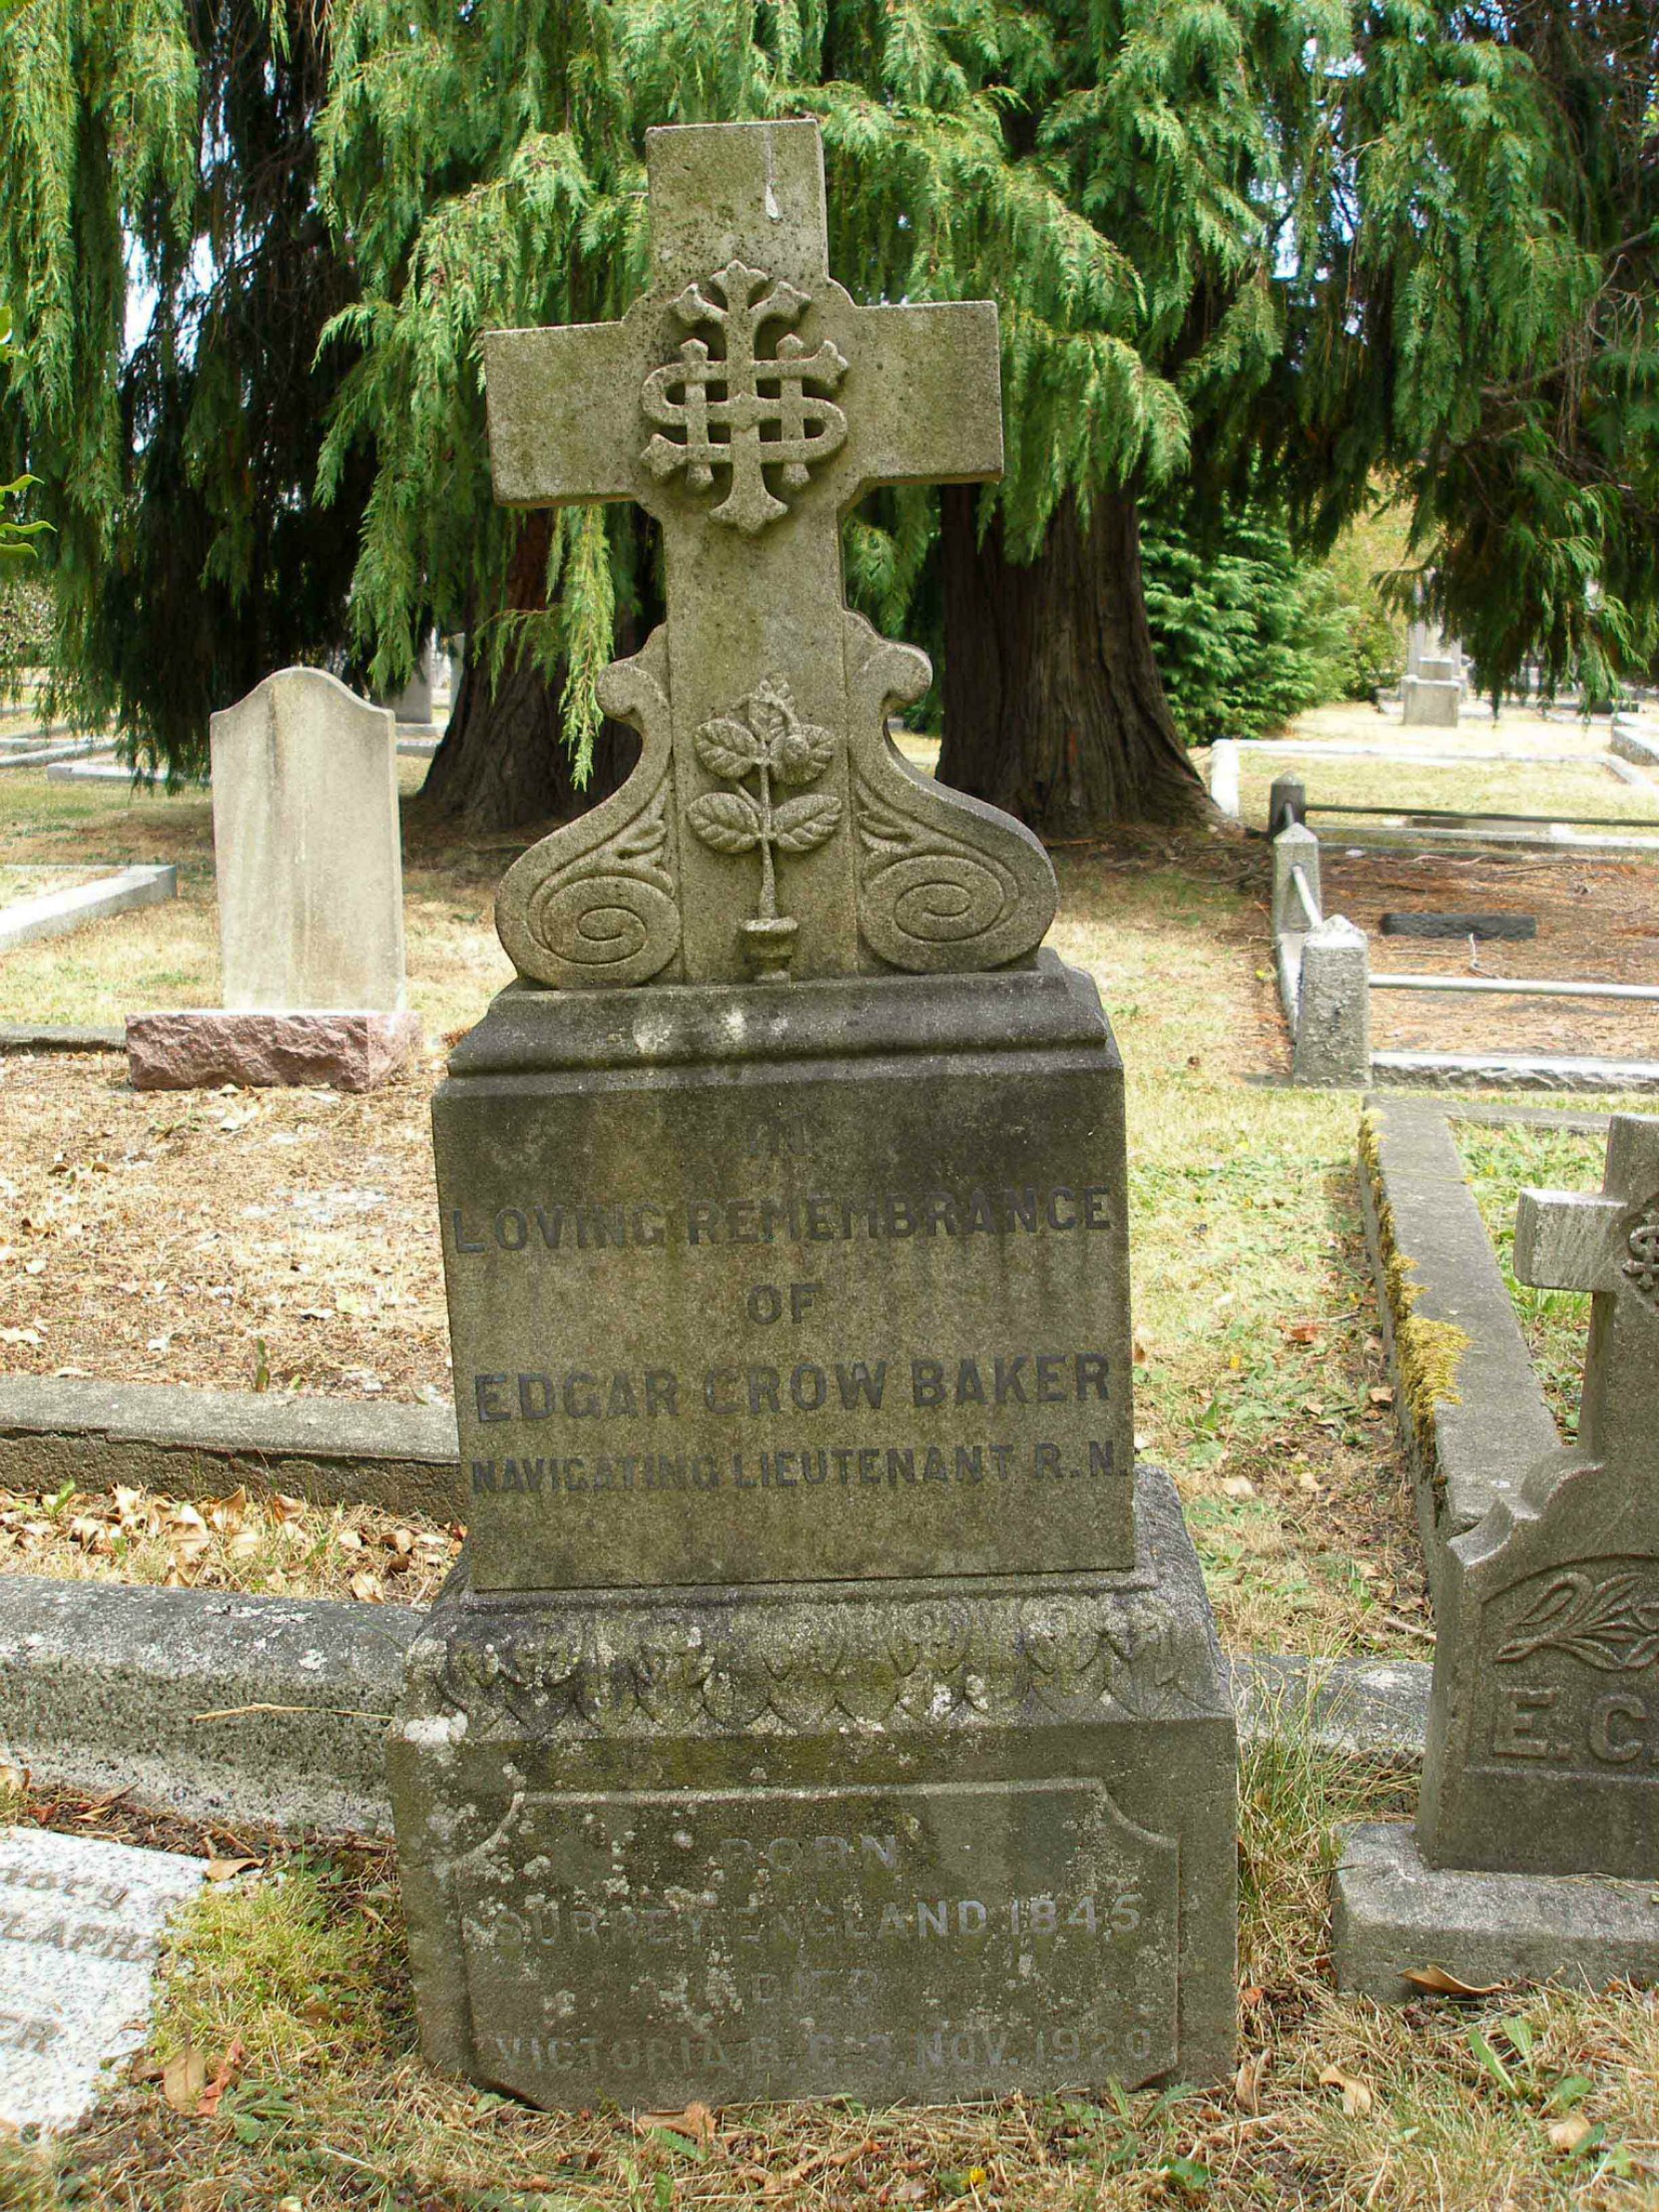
(1475, 312)
(160, 154)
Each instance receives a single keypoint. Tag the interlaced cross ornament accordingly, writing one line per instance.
(742, 410)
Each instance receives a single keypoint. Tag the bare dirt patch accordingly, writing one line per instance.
(1598, 920)
(229, 1240)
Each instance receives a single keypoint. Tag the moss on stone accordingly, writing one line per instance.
(1428, 1353)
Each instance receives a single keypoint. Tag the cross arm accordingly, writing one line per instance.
(1564, 1241)
(929, 394)
(563, 413)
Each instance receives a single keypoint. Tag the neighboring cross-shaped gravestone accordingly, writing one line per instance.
(1608, 1244)
(1543, 1764)
(747, 402)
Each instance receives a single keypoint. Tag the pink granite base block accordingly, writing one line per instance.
(197, 1049)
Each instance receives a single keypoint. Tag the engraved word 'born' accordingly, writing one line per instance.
(744, 412)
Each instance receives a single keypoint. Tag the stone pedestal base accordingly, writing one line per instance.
(1392, 1913)
(924, 1839)
(197, 1049)
(1429, 704)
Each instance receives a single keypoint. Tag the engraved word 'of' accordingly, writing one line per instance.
(744, 411)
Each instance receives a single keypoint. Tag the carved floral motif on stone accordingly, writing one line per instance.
(1607, 1621)
(762, 742)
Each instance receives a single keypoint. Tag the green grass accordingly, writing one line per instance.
(1508, 787)
(1501, 1163)
(330, 2108)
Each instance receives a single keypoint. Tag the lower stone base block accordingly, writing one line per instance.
(1393, 1915)
(194, 1051)
(926, 1842)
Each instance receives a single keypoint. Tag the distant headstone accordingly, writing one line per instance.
(309, 862)
(1537, 1841)
(824, 1706)
(80, 1926)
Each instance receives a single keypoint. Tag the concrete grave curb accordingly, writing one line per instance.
(55, 914)
(1512, 1072)
(1472, 1414)
(204, 1443)
(271, 1712)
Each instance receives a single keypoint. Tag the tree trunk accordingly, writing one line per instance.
(503, 763)
(1053, 706)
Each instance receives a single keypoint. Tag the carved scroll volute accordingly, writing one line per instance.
(945, 882)
(594, 905)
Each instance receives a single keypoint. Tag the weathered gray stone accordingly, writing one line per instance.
(1543, 1731)
(306, 847)
(931, 1840)
(1471, 1411)
(1295, 851)
(1428, 704)
(101, 1687)
(80, 1926)
(810, 1716)
(703, 867)
(207, 1443)
(1565, 1241)
(813, 1324)
(1485, 927)
(251, 1710)
(1224, 777)
(55, 914)
(200, 1046)
(1393, 1916)
(1333, 1023)
(1514, 1071)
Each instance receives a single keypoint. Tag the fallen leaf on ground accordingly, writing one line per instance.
(1438, 1983)
(227, 1869)
(1570, 2134)
(365, 1588)
(1302, 1333)
(224, 2074)
(184, 2078)
(696, 2123)
(1247, 2082)
(1356, 2095)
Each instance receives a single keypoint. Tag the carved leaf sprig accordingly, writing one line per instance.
(764, 739)
(1612, 1625)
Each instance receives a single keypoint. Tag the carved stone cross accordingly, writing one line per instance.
(1608, 1244)
(748, 402)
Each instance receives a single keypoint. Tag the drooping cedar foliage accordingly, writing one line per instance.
(1338, 234)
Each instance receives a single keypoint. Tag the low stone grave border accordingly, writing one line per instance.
(271, 1713)
(190, 1443)
(56, 913)
(1471, 1411)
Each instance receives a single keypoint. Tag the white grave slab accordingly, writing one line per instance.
(81, 1924)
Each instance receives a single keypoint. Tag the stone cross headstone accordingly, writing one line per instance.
(747, 402)
(309, 859)
(81, 1927)
(823, 1707)
(1542, 1766)
(1608, 1244)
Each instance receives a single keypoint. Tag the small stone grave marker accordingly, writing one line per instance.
(307, 853)
(81, 1926)
(1542, 1766)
